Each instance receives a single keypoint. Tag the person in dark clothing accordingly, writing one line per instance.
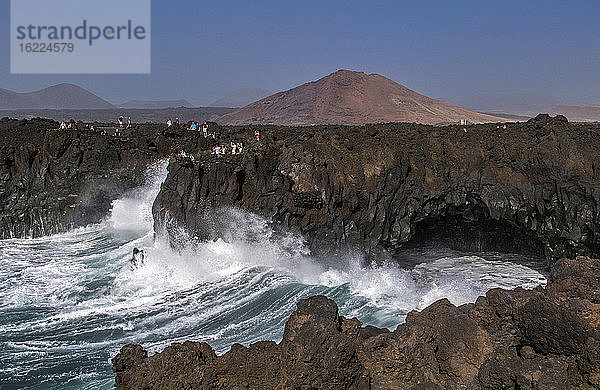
(137, 260)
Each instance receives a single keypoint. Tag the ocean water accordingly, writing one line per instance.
(68, 302)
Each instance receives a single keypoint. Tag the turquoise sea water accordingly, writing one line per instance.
(68, 302)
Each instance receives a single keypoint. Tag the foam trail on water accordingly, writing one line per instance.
(68, 302)
(383, 294)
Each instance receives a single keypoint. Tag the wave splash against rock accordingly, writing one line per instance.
(512, 339)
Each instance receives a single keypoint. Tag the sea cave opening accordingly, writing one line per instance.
(470, 228)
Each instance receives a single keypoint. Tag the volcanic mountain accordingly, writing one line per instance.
(61, 96)
(347, 97)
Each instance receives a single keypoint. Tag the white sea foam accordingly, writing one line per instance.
(134, 212)
(73, 296)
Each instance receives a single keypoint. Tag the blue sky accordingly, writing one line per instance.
(445, 49)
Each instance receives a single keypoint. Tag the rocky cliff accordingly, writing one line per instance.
(377, 189)
(528, 188)
(52, 180)
(520, 339)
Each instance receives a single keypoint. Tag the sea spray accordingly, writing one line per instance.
(133, 212)
(69, 302)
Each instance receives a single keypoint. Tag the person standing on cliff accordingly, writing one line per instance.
(257, 135)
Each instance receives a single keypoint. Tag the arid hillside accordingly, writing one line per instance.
(347, 97)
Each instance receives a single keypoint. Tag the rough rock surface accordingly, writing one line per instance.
(52, 180)
(530, 188)
(520, 339)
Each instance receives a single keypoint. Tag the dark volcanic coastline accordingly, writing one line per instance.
(531, 188)
(54, 180)
(377, 189)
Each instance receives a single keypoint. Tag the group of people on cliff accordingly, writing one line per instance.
(205, 128)
(121, 122)
(64, 125)
(112, 131)
(73, 125)
(233, 148)
(208, 131)
(465, 129)
(170, 122)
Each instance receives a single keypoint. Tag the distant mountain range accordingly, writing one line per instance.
(156, 104)
(343, 97)
(72, 97)
(61, 96)
(241, 97)
(518, 104)
(589, 112)
(347, 97)
(521, 106)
